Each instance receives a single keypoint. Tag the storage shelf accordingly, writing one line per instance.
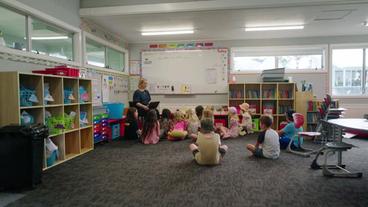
(260, 96)
(71, 130)
(54, 135)
(71, 143)
(72, 104)
(53, 105)
(31, 107)
(89, 126)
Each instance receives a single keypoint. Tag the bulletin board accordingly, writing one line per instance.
(186, 71)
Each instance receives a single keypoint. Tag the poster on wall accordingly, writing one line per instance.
(135, 67)
(96, 88)
(105, 88)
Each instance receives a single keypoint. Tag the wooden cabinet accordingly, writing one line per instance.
(72, 141)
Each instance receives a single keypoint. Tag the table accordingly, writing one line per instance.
(347, 124)
(352, 124)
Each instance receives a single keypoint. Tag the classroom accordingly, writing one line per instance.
(184, 103)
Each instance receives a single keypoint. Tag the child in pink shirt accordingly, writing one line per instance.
(179, 131)
(151, 128)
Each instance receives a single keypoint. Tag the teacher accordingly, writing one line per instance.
(141, 98)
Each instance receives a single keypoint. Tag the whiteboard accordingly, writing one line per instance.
(181, 71)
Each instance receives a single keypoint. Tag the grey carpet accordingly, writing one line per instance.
(6, 198)
(131, 174)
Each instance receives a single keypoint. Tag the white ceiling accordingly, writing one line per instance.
(320, 17)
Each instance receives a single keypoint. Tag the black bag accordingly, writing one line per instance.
(21, 156)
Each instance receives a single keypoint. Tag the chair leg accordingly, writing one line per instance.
(341, 173)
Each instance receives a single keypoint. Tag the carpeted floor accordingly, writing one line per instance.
(131, 174)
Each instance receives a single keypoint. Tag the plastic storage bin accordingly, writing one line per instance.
(115, 110)
(115, 131)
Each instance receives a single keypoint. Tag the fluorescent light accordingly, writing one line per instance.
(365, 23)
(51, 38)
(167, 32)
(251, 29)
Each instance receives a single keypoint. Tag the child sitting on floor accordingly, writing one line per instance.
(179, 129)
(246, 124)
(199, 111)
(131, 124)
(267, 145)
(290, 132)
(208, 149)
(165, 123)
(208, 114)
(193, 124)
(233, 130)
(151, 128)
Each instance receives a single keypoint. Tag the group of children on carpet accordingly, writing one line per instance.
(199, 126)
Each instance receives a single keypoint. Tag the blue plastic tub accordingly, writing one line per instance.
(52, 159)
(116, 110)
(115, 131)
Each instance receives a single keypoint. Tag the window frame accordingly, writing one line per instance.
(325, 62)
(30, 13)
(106, 44)
(364, 47)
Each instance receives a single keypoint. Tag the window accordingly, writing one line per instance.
(115, 59)
(347, 71)
(300, 62)
(100, 55)
(255, 63)
(12, 29)
(95, 53)
(52, 41)
(292, 58)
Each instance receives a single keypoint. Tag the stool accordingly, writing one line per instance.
(339, 147)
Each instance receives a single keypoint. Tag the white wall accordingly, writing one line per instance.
(320, 81)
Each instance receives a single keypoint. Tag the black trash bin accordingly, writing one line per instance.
(21, 156)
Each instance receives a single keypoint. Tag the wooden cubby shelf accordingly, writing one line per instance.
(275, 98)
(71, 142)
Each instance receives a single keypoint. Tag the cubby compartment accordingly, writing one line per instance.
(286, 91)
(284, 106)
(85, 91)
(55, 157)
(85, 115)
(31, 116)
(252, 91)
(53, 90)
(269, 107)
(72, 144)
(236, 91)
(254, 107)
(86, 139)
(269, 91)
(71, 117)
(31, 90)
(71, 90)
(54, 119)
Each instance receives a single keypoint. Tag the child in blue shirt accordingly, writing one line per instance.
(289, 132)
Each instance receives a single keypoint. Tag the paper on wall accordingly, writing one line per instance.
(105, 88)
(211, 75)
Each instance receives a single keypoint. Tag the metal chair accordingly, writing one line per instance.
(301, 151)
(337, 146)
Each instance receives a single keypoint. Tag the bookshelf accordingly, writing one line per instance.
(72, 141)
(309, 106)
(264, 98)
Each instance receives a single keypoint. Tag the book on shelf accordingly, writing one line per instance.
(236, 93)
(285, 94)
(269, 93)
(313, 106)
(284, 108)
(268, 108)
(253, 108)
(312, 118)
(253, 94)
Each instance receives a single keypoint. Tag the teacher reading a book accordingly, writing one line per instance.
(141, 98)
